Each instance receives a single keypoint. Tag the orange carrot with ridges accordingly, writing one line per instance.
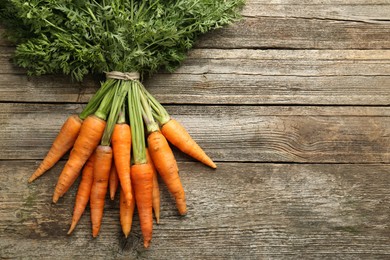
(156, 189)
(142, 180)
(90, 133)
(126, 213)
(166, 166)
(121, 145)
(101, 174)
(63, 142)
(177, 135)
(113, 180)
(141, 173)
(83, 193)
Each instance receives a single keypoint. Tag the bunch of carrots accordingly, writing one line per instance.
(120, 141)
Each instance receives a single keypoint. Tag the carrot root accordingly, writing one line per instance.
(126, 213)
(83, 193)
(166, 166)
(121, 145)
(88, 139)
(176, 134)
(101, 174)
(63, 142)
(142, 179)
(113, 180)
(156, 189)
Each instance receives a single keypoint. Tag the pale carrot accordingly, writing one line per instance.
(63, 142)
(177, 135)
(83, 192)
(156, 189)
(126, 213)
(101, 174)
(113, 180)
(166, 166)
(90, 133)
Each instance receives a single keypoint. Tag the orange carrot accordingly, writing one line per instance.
(121, 145)
(126, 213)
(176, 134)
(142, 180)
(113, 180)
(90, 133)
(156, 189)
(83, 193)
(166, 166)
(101, 174)
(63, 142)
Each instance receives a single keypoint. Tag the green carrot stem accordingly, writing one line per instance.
(116, 105)
(137, 128)
(160, 113)
(94, 102)
(105, 104)
(151, 125)
(122, 114)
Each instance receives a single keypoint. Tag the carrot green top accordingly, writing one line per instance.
(95, 36)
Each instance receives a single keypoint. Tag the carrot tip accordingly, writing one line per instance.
(146, 243)
(55, 198)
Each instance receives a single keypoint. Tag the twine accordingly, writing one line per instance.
(122, 75)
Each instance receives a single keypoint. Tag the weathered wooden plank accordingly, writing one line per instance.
(271, 62)
(240, 211)
(292, 24)
(363, 11)
(237, 77)
(299, 33)
(230, 133)
(288, 62)
(212, 89)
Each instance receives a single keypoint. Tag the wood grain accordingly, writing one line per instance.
(292, 102)
(236, 77)
(230, 133)
(246, 211)
(359, 11)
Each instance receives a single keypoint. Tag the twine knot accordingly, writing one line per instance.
(122, 75)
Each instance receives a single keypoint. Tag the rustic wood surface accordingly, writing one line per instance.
(292, 102)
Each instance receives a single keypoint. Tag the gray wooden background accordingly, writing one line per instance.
(293, 105)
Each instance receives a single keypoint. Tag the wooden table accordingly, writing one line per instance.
(292, 103)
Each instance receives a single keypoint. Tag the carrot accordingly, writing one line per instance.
(121, 145)
(177, 135)
(142, 180)
(113, 180)
(90, 133)
(101, 174)
(141, 172)
(126, 213)
(166, 166)
(83, 192)
(156, 190)
(63, 142)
